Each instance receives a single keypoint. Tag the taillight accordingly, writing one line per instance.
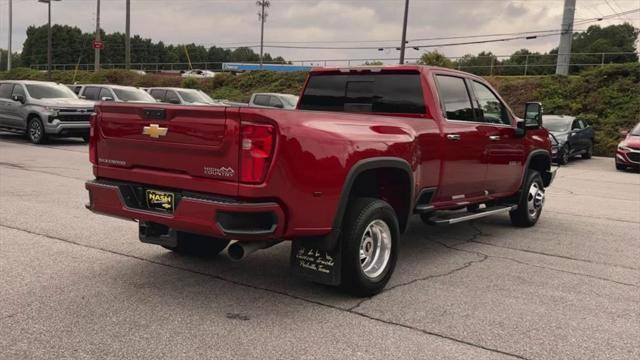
(256, 150)
(93, 152)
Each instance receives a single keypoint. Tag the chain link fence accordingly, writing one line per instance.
(525, 64)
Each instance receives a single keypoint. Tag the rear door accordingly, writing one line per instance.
(7, 105)
(463, 166)
(504, 151)
(175, 146)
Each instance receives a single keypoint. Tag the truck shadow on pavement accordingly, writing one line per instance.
(425, 252)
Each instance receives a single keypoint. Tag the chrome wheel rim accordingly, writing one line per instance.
(535, 200)
(35, 130)
(375, 248)
(565, 156)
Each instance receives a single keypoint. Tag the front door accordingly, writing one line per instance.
(463, 144)
(504, 152)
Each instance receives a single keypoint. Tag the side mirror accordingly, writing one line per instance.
(624, 133)
(82, 97)
(107, 98)
(18, 98)
(533, 115)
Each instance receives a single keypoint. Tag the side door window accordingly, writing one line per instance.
(490, 109)
(158, 94)
(18, 90)
(575, 125)
(105, 93)
(172, 97)
(454, 97)
(275, 102)
(91, 93)
(5, 91)
(262, 100)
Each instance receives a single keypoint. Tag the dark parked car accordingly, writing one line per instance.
(628, 152)
(570, 137)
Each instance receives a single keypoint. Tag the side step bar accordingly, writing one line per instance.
(466, 216)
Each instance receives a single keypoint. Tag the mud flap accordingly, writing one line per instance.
(317, 259)
(152, 233)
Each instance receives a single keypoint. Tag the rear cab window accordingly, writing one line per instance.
(390, 93)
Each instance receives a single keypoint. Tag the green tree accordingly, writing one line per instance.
(434, 58)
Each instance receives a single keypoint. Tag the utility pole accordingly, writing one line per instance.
(49, 38)
(10, 35)
(262, 15)
(564, 50)
(97, 50)
(127, 39)
(404, 31)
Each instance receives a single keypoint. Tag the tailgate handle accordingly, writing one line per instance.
(156, 114)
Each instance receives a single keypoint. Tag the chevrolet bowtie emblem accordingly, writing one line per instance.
(154, 130)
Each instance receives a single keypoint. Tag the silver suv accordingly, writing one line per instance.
(41, 109)
(115, 93)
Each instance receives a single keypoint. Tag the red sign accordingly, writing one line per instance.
(98, 44)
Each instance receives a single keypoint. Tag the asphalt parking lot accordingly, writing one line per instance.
(77, 285)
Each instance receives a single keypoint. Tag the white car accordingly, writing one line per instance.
(198, 74)
(117, 93)
(182, 96)
(273, 100)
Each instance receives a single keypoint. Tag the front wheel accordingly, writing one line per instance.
(589, 153)
(531, 201)
(369, 246)
(563, 159)
(620, 166)
(35, 131)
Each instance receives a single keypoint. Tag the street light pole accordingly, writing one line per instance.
(10, 35)
(127, 39)
(404, 31)
(49, 43)
(96, 64)
(49, 38)
(263, 17)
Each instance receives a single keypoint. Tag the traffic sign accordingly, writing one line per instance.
(98, 44)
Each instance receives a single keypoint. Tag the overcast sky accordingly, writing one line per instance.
(319, 22)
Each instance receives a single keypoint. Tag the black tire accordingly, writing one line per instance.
(473, 207)
(522, 216)
(35, 131)
(563, 157)
(620, 166)
(589, 152)
(362, 215)
(198, 245)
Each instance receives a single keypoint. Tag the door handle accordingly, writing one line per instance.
(454, 137)
(494, 137)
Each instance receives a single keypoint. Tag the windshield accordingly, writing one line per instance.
(133, 95)
(636, 130)
(193, 96)
(41, 91)
(557, 124)
(291, 100)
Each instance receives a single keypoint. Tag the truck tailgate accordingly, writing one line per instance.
(187, 147)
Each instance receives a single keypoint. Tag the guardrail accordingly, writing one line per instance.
(526, 64)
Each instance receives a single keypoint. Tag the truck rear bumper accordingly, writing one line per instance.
(218, 217)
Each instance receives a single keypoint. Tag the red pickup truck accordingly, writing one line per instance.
(339, 176)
